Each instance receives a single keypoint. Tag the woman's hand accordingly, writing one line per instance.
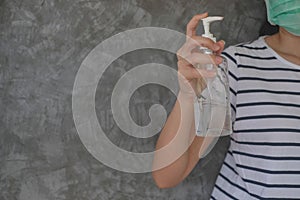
(188, 57)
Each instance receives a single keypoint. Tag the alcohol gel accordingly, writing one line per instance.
(213, 101)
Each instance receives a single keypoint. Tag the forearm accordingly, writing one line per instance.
(179, 124)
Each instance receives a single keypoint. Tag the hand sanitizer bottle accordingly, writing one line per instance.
(214, 104)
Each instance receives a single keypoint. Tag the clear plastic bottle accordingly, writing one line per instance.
(213, 100)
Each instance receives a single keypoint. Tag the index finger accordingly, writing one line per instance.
(193, 23)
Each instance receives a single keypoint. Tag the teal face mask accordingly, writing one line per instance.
(285, 13)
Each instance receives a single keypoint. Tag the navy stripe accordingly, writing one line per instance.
(267, 104)
(254, 195)
(224, 192)
(284, 158)
(268, 80)
(236, 185)
(232, 107)
(255, 57)
(267, 117)
(232, 91)
(231, 168)
(280, 144)
(232, 75)
(271, 185)
(229, 57)
(213, 198)
(267, 69)
(268, 130)
(267, 91)
(268, 171)
(260, 57)
(254, 48)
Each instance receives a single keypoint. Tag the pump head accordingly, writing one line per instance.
(206, 23)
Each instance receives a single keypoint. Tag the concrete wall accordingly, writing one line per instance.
(42, 45)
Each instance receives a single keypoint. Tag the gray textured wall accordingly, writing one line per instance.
(42, 44)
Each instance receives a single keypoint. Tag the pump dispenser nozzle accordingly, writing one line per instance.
(206, 23)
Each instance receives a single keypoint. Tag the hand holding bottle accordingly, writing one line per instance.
(188, 57)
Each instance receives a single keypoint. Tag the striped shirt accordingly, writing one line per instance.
(263, 160)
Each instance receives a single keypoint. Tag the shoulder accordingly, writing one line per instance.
(250, 49)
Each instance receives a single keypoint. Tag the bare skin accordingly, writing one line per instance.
(180, 122)
(286, 45)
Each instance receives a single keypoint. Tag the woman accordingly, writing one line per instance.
(263, 160)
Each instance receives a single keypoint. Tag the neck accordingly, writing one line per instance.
(290, 43)
(286, 45)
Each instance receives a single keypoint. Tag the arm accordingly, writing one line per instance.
(182, 113)
(173, 174)
(185, 147)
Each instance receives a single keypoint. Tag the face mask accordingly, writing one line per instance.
(285, 13)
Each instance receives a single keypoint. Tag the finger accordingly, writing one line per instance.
(190, 72)
(198, 41)
(204, 73)
(193, 23)
(183, 63)
(221, 44)
(187, 70)
(193, 73)
(193, 44)
(182, 53)
(200, 58)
